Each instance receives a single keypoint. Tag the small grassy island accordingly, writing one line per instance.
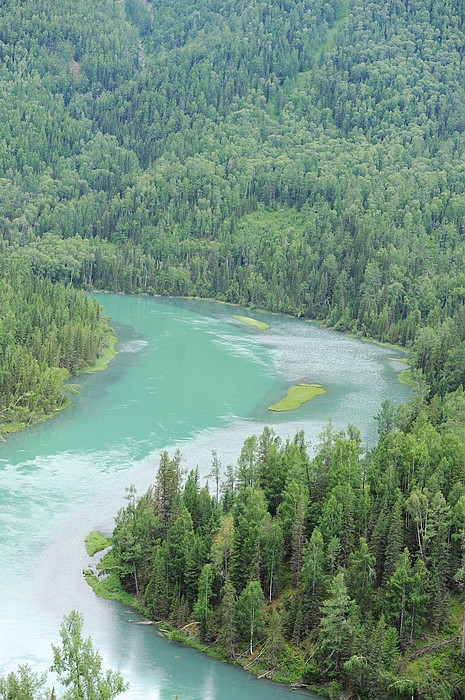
(297, 395)
(259, 325)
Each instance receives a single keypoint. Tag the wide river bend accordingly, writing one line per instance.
(187, 375)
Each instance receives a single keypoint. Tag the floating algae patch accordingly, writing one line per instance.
(259, 325)
(296, 396)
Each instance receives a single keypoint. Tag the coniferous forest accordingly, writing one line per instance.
(303, 157)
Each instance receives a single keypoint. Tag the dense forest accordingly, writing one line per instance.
(343, 571)
(301, 157)
(47, 332)
(304, 157)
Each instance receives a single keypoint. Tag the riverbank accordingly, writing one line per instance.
(101, 363)
(101, 576)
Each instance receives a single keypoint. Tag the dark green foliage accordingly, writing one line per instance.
(47, 332)
(229, 634)
(302, 157)
(248, 577)
(202, 609)
(338, 629)
(305, 157)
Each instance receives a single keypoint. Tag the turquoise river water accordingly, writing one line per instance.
(186, 375)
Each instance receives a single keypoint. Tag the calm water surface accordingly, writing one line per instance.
(187, 375)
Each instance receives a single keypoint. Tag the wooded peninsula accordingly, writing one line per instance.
(301, 157)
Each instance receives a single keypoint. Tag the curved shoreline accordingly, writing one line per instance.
(109, 588)
(102, 362)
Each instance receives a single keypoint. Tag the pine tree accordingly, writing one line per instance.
(395, 540)
(229, 632)
(274, 639)
(338, 630)
(157, 590)
(313, 578)
(166, 487)
(180, 543)
(407, 597)
(398, 593)
(250, 522)
(362, 575)
(298, 540)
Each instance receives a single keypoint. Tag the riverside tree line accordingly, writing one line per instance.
(330, 570)
(47, 332)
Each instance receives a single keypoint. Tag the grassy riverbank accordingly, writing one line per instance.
(95, 542)
(103, 578)
(106, 356)
(297, 395)
(366, 339)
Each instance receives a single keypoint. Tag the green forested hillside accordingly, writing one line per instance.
(304, 157)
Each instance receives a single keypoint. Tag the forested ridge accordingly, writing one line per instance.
(304, 157)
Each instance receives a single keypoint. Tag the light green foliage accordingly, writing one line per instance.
(250, 613)
(296, 396)
(95, 542)
(253, 322)
(79, 666)
(24, 685)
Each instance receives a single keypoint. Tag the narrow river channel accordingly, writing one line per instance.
(187, 375)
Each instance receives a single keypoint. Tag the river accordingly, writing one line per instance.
(187, 375)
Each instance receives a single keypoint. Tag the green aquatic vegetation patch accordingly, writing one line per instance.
(259, 325)
(297, 395)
